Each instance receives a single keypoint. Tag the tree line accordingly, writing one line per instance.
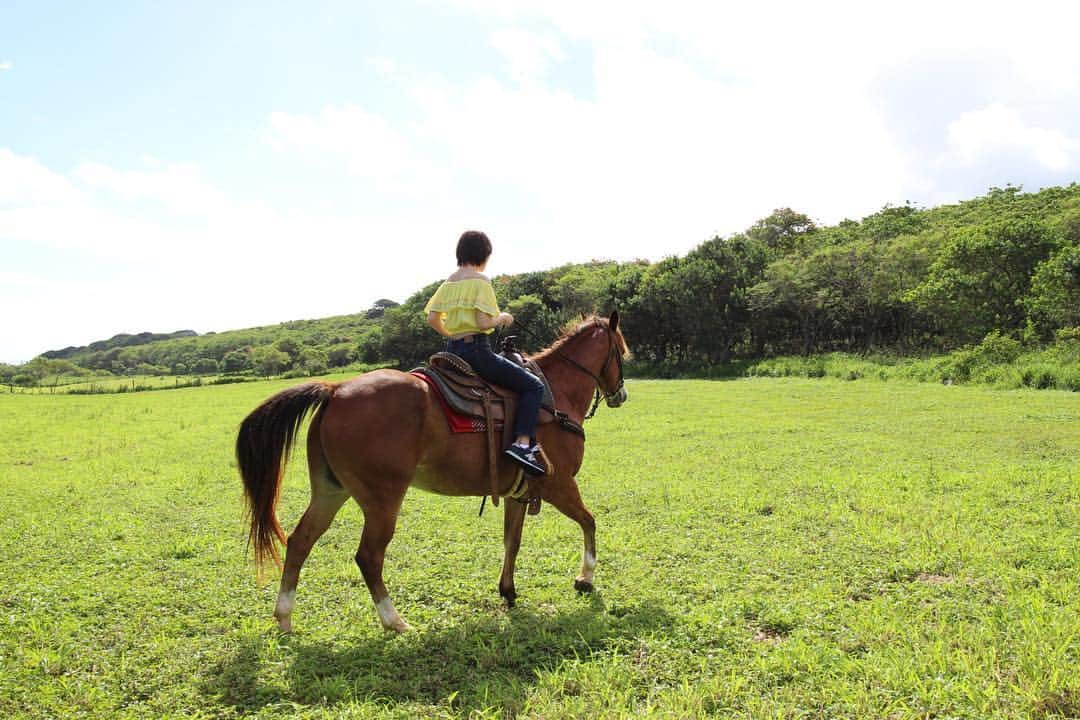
(905, 280)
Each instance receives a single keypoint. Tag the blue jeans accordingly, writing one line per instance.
(500, 371)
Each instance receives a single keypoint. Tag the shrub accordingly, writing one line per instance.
(1038, 377)
(1069, 379)
(998, 348)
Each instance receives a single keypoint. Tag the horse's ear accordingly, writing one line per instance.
(613, 321)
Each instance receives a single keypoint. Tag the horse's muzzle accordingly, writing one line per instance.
(616, 399)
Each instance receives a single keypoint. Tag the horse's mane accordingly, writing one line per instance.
(573, 330)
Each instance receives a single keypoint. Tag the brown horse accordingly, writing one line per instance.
(374, 436)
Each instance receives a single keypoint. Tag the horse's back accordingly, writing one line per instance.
(375, 423)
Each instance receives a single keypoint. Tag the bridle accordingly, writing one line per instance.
(613, 352)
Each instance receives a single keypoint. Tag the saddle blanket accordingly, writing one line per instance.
(458, 423)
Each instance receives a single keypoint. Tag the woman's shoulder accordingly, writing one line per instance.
(463, 275)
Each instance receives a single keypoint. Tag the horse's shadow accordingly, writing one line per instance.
(488, 661)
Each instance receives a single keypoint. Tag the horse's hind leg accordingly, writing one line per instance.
(513, 522)
(567, 500)
(327, 497)
(380, 520)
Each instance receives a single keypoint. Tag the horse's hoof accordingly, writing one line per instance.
(583, 586)
(284, 625)
(509, 596)
(401, 627)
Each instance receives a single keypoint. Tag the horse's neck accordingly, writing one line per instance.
(572, 388)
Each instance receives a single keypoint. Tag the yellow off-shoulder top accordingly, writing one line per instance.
(458, 301)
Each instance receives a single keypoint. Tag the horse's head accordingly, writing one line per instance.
(606, 350)
(596, 347)
(611, 374)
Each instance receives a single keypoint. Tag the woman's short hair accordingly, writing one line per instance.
(473, 248)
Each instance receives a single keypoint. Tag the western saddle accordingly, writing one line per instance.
(470, 395)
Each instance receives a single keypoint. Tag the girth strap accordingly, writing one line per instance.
(493, 470)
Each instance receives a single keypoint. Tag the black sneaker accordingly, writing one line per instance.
(527, 458)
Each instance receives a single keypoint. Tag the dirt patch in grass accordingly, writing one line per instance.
(769, 635)
(933, 578)
(1060, 703)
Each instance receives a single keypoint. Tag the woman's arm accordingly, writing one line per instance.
(434, 319)
(487, 322)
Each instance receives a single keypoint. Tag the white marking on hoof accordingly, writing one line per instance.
(588, 565)
(389, 616)
(283, 609)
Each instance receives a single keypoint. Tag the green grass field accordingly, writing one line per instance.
(769, 548)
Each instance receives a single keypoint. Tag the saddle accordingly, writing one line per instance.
(492, 408)
(466, 392)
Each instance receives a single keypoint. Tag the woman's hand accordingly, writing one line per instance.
(506, 319)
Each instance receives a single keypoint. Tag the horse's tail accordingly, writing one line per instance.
(263, 446)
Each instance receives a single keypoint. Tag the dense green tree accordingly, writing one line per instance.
(536, 325)
(290, 346)
(340, 355)
(783, 231)
(313, 360)
(582, 289)
(369, 346)
(509, 287)
(236, 361)
(406, 337)
(268, 360)
(205, 366)
(7, 373)
(891, 222)
(979, 281)
(1054, 300)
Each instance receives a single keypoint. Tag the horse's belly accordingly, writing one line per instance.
(442, 483)
(465, 478)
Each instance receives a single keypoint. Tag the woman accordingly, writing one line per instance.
(464, 310)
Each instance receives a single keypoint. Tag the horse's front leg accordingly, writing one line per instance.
(513, 523)
(564, 496)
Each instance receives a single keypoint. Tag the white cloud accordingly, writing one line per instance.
(663, 155)
(975, 135)
(134, 265)
(178, 187)
(384, 66)
(6, 65)
(26, 182)
(368, 143)
(797, 82)
(528, 53)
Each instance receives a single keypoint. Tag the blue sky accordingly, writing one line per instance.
(218, 165)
